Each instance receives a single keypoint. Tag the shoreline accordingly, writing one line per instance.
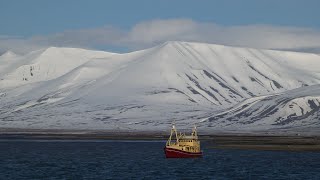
(214, 141)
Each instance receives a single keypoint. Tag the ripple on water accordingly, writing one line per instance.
(144, 159)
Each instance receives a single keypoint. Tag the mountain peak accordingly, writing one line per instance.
(168, 43)
(8, 54)
(195, 44)
(72, 50)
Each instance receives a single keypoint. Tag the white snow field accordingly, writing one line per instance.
(218, 87)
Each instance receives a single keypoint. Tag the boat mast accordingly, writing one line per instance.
(173, 130)
(194, 131)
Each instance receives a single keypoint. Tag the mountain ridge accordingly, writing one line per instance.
(146, 89)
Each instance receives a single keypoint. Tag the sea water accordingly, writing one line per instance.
(32, 159)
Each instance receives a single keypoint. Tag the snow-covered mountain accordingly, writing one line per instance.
(294, 111)
(145, 90)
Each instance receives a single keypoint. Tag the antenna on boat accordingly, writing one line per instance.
(194, 130)
(174, 124)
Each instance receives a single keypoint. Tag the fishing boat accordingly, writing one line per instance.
(184, 146)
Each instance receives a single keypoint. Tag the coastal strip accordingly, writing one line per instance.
(217, 141)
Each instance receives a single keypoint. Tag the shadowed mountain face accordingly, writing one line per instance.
(145, 90)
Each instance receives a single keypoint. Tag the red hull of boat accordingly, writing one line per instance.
(175, 153)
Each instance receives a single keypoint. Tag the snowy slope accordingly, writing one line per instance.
(298, 108)
(42, 65)
(81, 89)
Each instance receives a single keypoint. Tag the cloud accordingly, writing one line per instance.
(157, 31)
(17, 44)
(149, 33)
(255, 36)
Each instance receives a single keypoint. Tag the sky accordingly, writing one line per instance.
(127, 25)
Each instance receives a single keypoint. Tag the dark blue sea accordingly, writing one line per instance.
(145, 160)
